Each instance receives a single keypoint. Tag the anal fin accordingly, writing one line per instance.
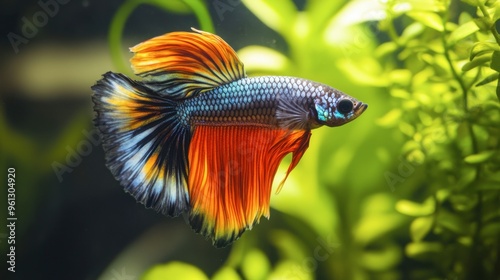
(231, 170)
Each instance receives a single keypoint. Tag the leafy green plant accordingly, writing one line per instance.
(440, 65)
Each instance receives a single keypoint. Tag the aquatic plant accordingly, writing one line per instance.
(439, 66)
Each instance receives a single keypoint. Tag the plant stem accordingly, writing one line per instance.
(475, 263)
(392, 32)
(121, 16)
(463, 87)
(492, 25)
(115, 35)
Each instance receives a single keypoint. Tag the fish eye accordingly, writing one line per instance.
(345, 106)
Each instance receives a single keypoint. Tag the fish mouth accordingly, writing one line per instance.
(360, 108)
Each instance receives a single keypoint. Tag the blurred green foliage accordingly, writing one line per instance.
(411, 190)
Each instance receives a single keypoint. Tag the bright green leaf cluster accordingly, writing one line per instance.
(446, 108)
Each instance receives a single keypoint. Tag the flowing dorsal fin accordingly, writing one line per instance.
(183, 64)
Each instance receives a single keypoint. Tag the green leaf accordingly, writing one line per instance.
(481, 48)
(442, 195)
(462, 32)
(495, 61)
(255, 265)
(390, 119)
(483, 24)
(411, 31)
(226, 273)
(288, 245)
(425, 118)
(464, 17)
(400, 76)
(386, 48)
(452, 222)
(374, 227)
(403, 6)
(263, 59)
(465, 240)
(478, 61)
(422, 249)
(462, 202)
(490, 78)
(407, 128)
(428, 19)
(466, 178)
(287, 269)
(355, 12)
(491, 230)
(414, 209)
(494, 11)
(174, 270)
(479, 158)
(400, 93)
(381, 259)
(420, 227)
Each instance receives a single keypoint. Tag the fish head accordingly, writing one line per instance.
(336, 108)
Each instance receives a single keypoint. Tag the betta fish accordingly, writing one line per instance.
(196, 135)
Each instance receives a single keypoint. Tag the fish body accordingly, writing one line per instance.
(197, 135)
(275, 101)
